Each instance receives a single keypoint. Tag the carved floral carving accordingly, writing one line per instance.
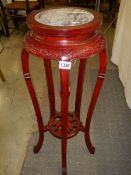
(80, 51)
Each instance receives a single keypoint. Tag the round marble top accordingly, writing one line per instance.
(64, 17)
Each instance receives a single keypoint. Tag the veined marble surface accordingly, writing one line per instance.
(64, 17)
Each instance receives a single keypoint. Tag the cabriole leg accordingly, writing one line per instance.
(97, 88)
(25, 66)
(64, 78)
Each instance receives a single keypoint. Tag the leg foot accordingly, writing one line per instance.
(64, 171)
(2, 76)
(89, 145)
(38, 146)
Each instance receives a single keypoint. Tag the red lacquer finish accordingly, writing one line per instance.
(64, 43)
(25, 66)
(98, 85)
(50, 85)
(80, 81)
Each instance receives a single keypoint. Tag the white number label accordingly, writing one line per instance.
(64, 65)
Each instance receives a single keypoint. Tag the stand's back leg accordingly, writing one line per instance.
(81, 73)
(50, 84)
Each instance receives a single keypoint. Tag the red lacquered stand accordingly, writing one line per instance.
(64, 44)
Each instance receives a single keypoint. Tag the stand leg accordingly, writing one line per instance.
(81, 73)
(98, 85)
(64, 76)
(25, 66)
(2, 76)
(50, 85)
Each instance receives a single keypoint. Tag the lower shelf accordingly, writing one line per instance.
(74, 125)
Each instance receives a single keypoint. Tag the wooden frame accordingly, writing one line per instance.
(1, 74)
(64, 44)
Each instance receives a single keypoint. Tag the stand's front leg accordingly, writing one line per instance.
(64, 76)
(25, 66)
(95, 95)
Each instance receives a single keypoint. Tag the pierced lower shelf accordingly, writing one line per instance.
(74, 125)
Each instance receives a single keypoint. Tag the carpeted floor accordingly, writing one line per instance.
(110, 133)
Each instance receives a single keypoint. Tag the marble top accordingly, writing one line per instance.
(64, 17)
